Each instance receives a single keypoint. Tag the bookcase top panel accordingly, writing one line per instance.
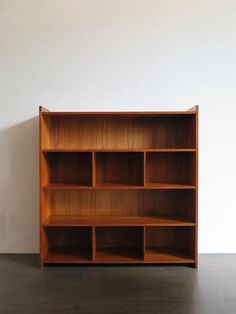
(118, 113)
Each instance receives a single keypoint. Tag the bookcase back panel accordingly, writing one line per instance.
(118, 237)
(171, 168)
(119, 132)
(119, 168)
(123, 203)
(71, 168)
(170, 237)
(69, 237)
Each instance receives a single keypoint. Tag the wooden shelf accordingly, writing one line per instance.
(118, 113)
(61, 186)
(125, 150)
(67, 256)
(67, 221)
(118, 255)
(168, 186)
(167, 255)
(114, 186)
(118, 187)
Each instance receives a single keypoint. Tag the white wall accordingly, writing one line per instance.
(117, 55)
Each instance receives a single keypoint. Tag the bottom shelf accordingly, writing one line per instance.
(167, 255)
(118, 255)
(67, 256)
(114, 245)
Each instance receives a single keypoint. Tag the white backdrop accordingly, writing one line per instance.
(117, 55)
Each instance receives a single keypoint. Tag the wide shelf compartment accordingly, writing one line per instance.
(69, 169)
(119, 244)
(171, 170)
(121, 203)
(119, 169)
(170, 244)
(119, 131)
(68, 245)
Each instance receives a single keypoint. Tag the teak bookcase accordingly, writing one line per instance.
(118, 187)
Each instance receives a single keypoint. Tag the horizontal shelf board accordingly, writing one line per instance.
(118, 113)
(73, 221)
(158, 150)
(166, 255)
(113, 186)
(68, 256)
(168, 186)
(61, 186)
(127, 255)
(117, 255)
(170, 150)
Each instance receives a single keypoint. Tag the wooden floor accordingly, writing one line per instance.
(26, 288)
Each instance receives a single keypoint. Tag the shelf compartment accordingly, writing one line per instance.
(119, 131)
(119, 244)
(169, 244)
(69, 169)
(72, 221)
(122, 203)
(69, 245)
(171, 170)
(119, 169)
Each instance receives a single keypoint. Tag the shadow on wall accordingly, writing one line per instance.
(19, 209)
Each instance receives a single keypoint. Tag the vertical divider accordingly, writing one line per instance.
(144, 168)
(93, 169)
(144, 241)
(93, 243)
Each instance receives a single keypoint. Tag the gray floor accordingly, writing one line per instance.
(25, 288)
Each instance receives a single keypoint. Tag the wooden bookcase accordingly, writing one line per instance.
(119, 187)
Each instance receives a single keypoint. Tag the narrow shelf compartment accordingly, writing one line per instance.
(68, 245)
(119, 244)
(71, 221)
(170, 244)
(69, 169)
(119, 169)
(170, 170)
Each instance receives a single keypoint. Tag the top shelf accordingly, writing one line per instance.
(118, 113)
(119, 131)
(158, 150)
